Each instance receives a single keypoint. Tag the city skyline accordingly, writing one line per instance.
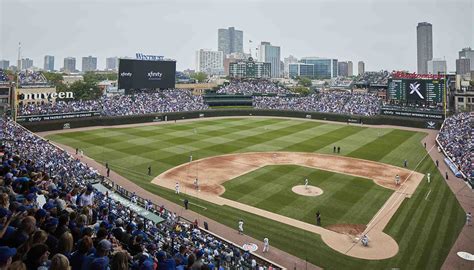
(368, 39)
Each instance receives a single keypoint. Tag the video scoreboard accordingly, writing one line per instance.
(416, 90)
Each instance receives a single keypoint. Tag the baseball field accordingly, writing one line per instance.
(425, 225)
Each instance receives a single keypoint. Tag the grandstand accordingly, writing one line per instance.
(369, 79)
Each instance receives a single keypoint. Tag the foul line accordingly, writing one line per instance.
(426, 198)
(203, 207)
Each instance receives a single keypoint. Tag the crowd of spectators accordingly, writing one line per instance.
(29, 77)
(341, 82)
(80, 228)
(456, 137)
(249, 88)
(3, 76)
(174, 100)
(373, 78)
(328, 102)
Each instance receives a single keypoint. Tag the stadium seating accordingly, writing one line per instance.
(27, 77)
(86, 226)
(456, 138)
(253, 88)
(3, 76)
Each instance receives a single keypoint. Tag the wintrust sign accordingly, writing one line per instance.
(149, 57)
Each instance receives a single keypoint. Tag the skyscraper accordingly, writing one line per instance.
(25, 63)
(360, 67)
(424, 45)
(89, 63)
(287, 61)
(463, 66)
(230, 40)
(48, 63)
(111, 63)
(270, 54)
(4, 64)
(342, 69)
(436, 66)
(69, 64)
(469, 54)
(210, 62)
(324, 68)
(350, 68)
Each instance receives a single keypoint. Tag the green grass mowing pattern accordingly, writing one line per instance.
(346, 199)
(422, 246)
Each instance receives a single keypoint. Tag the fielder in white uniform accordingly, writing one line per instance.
(306, 183)
(428, 175)
(176, 188)
(266, 245)
(196, 184)
(241, 227)
(397, 180)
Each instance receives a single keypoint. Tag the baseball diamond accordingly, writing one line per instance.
(358, 183)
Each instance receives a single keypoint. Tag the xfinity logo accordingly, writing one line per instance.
(154, 75)
(126, 74)
(415, 88)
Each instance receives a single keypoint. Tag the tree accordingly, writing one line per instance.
(84, 90)
(93, 77)
(304, 91)
(199, 76)
(54, 78)
(304, 81)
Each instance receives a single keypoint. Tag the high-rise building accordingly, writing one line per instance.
(232, 58)
(463, 66)
(89, 63)
(69, 65)
(424, 45)
(360, 67)
(468, 53)
(324, 68)
(111, 63)
(48, 63)
(436, 66)
(342, 69)
(230, 40)
(210, 62)
(270, 54)
(350, 69)
(250, 69)
(287, 61)
(25, 63)
(300, 70)
(4, 64)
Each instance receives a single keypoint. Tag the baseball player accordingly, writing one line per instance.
(196, 184)
(266, 245)
(176, 188)
(241, 227)
(428, 175)
(365, 240)
(397, 180)
(306, 183)
(468, 219)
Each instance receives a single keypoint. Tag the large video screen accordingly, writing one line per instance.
(139, 74)
(416, 90)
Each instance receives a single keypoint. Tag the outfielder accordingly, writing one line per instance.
(428, 175)
(176, 188)
(306, 183)
(266, 245)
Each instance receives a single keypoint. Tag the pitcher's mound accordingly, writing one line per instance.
(310, 191)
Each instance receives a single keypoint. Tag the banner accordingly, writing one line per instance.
(39, 118)
(412, 114)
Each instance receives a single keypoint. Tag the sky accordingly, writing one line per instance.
(382, 33)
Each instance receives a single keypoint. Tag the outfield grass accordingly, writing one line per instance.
(424, 229)
(345, 198)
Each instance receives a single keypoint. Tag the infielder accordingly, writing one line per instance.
(196, 184)
(365, 240)
(397, 180)
(266, 245)
(241, 227)
(176, 188)
(306, 183)
(428, 175)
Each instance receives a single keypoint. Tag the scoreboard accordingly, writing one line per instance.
(416, 90)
